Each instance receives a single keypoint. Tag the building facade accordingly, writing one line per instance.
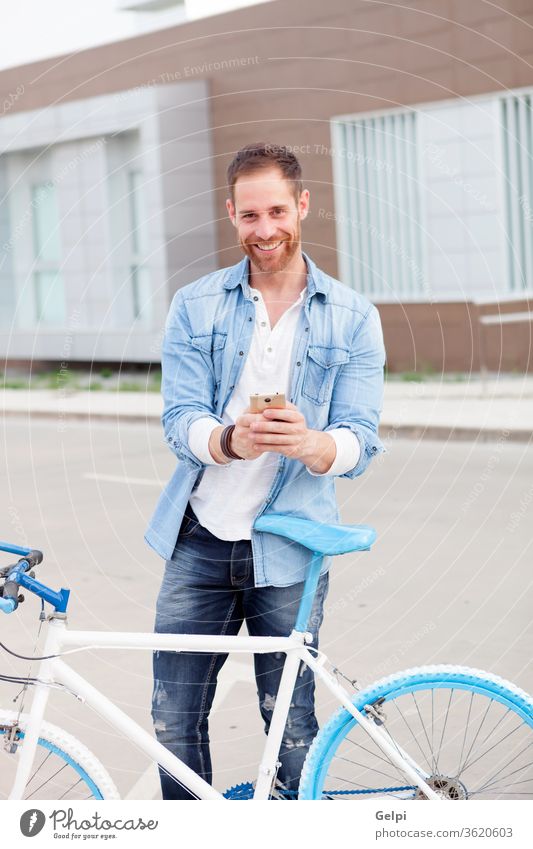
(414, 129)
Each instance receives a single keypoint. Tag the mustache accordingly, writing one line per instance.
(265, 242)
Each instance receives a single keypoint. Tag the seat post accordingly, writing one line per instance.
(308, 595)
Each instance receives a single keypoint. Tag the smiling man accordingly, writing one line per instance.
(272, 323)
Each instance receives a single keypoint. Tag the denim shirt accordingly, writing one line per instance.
(336, 381)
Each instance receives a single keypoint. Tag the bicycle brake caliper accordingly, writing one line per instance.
(11, 738)
(375, 712)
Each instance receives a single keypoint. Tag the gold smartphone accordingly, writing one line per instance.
(258, 403)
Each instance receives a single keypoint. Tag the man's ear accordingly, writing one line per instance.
(230, 206)
(303, 204)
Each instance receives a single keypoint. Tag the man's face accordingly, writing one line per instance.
(268, 218)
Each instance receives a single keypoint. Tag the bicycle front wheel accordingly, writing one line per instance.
(468, 732)
(63, 767)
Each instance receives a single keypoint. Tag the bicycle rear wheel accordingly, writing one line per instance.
(469, 732)
(63, 768)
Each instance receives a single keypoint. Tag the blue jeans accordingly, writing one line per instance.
(208, 588)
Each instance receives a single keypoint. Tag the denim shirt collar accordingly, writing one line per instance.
(316, 281)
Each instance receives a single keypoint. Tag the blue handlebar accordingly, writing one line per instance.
(7, 605)
(14, 549)
(17, 576)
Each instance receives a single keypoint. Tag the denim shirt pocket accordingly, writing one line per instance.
(321, 369)
(213, 346)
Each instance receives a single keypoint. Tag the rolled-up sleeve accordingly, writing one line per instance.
(357, 397)
(188, 384)
(199, 434)
(347, 453)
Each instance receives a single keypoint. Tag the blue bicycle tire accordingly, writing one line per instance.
(324, 775)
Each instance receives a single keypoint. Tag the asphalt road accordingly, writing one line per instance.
(449, 579)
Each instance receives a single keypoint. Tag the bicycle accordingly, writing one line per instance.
(397, 738)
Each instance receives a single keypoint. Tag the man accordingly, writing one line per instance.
(272, 323)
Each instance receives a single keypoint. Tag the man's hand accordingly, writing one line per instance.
(242, 438)
(285, 431)
(242, 441)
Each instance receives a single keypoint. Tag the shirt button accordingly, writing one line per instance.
(263, 324)
(307, 330)
(256, 298)
(269, 350)
(250, 319)
(241, 353)
(298, 364)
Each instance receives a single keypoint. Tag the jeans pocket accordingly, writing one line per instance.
(189, 524)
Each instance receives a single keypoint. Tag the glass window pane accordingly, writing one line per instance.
(45, 222)
(49, 297)
(137, 218)
(378, 194)
(141, 295)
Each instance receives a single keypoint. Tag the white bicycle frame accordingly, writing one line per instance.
(60, 639)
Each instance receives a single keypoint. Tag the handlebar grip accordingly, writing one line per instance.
(8, 605)
(34, 557)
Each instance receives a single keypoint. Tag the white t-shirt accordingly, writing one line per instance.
(229, 496)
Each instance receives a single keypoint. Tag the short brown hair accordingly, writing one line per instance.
(253, 157)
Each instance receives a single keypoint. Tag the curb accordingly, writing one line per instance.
(59, 418)
(458, 434)
(387, 431)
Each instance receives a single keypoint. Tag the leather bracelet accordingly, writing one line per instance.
(225, 446)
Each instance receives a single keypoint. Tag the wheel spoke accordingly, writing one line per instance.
(462, 765)
(470, 730)
(423, 728)
(476, 760)
(61, 768)
(412, 734)
(500, 777)
(366, 767)
(443, 730)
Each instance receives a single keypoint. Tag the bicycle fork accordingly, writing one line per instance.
(403, 761)
(36, 714)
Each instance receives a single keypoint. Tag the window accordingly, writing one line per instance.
(517, 144)
(378, 201)
(140, 285)
(48, 292)
(128, 251)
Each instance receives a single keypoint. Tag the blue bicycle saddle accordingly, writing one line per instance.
(324, 539)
